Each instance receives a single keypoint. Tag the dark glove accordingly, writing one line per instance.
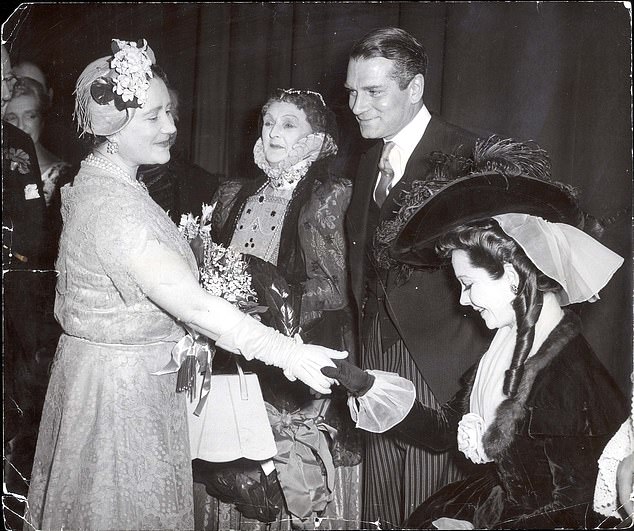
(355, 380)
(244, 484)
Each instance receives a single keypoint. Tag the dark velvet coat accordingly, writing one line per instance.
(424, 311)
(544, 442)
(318, 204)
(312, 240)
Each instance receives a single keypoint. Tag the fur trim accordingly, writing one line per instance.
(511, 412)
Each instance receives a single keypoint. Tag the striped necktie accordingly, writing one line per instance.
(387, 174)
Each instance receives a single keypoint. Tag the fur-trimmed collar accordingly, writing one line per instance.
(511, 412)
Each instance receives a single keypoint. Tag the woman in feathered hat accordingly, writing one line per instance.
(113, 450)
(535, 412)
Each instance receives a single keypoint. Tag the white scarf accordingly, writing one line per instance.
(487, 394)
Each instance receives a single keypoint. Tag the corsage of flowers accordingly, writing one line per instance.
(19, 159)
(129, 81)
(470, 432)
(223, 273)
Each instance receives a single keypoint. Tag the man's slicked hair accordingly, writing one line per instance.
(397, 45)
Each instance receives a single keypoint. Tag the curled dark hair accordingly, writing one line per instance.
(489, 247)
(26, 86)
(319, 116)
(408, 54)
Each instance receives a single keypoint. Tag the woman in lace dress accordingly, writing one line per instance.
(535, 412)
(289, 220)
(113, 449)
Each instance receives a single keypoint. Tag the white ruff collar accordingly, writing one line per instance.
(291, 170)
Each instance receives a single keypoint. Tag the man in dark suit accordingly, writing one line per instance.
(23, 203)
(23, 231)
(414, 327)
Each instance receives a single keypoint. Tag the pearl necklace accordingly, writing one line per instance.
(104, 164)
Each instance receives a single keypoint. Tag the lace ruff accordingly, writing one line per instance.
(291, 170)
(620, 446)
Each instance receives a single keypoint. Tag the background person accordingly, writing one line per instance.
(33, 71)
(58, 134)
(113, 450)
(23, 235)
(28, 109)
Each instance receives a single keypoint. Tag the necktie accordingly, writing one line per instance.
(387, 174)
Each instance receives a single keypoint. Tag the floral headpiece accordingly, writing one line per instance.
(110, 89)
(132, 73)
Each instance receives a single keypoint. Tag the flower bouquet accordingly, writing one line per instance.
(224, 273)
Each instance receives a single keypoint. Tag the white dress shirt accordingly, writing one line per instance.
(404, 143)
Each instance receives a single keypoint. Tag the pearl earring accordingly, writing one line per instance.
(112, 147)
(514, 289)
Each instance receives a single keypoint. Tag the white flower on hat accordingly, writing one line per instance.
(133, 67)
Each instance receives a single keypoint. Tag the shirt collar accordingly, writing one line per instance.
(409, 137)
(405, 142)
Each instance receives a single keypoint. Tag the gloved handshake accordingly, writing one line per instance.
(355, 380)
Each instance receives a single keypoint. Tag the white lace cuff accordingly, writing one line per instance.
(470, 431)
(387, 403)
(605, 494)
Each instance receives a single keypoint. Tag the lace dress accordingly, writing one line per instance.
(113, 448)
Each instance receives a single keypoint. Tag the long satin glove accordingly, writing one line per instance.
(252, 339)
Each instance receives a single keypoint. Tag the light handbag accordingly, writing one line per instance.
(233, 423)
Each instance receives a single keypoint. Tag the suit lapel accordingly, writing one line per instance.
(358, 215)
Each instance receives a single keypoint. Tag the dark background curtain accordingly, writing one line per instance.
(557, 73)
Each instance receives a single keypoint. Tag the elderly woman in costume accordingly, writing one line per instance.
(291, 215)
(289, 220)
(113, 449)
(535, 412)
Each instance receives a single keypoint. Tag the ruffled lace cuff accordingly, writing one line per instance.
(470, 431)
(605, 494)
(387, 403)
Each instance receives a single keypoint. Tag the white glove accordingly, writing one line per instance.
(252, 339)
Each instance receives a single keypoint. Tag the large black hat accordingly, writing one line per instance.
(480, 196)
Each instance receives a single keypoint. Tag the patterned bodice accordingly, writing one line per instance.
(106, 221)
